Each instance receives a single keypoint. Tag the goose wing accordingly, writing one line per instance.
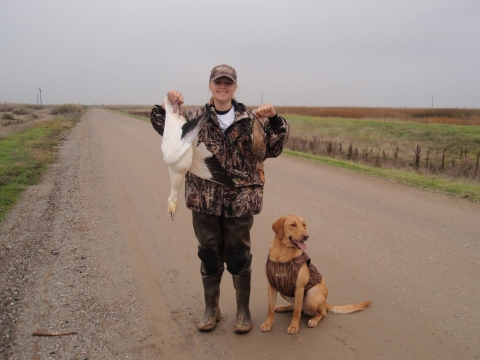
(191, 128)
(207, 166)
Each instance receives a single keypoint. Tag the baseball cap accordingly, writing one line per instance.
(223, 70)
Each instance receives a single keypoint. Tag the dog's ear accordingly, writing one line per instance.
(277, 227)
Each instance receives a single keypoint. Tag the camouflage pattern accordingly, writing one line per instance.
(234, 151)
(283, 276)
(223, 70)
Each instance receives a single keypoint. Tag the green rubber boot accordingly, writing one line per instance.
(211, 287)
(243, 323)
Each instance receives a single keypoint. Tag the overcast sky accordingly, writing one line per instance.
(390, 53)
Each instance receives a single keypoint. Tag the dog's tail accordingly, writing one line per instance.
(347, 309)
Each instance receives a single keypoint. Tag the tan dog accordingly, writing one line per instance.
(289, 272)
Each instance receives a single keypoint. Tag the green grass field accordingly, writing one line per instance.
(26, 155)
(388, 134)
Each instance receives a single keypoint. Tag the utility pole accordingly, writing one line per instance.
(37, 101)
(41, 105)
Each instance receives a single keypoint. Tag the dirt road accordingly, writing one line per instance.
(92, 250)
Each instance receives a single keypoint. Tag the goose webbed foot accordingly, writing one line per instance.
(177, 109)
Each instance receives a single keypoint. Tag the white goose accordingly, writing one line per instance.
(183, 153)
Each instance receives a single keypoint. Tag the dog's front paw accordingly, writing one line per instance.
(293, 329)
(266, 326)
(314, 321)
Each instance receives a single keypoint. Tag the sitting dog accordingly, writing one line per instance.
(290, 273)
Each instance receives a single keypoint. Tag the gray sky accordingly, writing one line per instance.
(304, 52)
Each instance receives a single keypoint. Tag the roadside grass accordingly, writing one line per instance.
(26, 155)
(452, 187)
(432, 149)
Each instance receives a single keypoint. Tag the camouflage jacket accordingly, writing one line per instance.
(283, 276)
(233, 149)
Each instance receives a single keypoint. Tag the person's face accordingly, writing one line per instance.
(222, 89)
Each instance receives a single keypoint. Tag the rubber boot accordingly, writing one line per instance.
(211, 287)
(243, 323)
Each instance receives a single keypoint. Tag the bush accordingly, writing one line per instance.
(8, 116)
(66, 109)
(6, 107)
(20, 111)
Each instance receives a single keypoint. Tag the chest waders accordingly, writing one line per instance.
(224, 241)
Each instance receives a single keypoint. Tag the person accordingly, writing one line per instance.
(222, 216)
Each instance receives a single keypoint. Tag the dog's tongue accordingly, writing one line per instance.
(302, 245)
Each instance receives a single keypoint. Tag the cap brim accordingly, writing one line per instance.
(220, 76)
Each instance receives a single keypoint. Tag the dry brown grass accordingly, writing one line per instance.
(460, 164)
(67, 109)
(10, 107)
(15, 118)
(428, 116)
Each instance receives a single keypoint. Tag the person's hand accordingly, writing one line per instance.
(175, 97)
(265, 110)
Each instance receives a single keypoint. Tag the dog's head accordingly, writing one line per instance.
(291, 231)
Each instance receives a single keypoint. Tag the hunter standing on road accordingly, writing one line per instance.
(222, 217)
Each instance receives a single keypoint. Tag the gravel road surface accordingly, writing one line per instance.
(90, 254)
